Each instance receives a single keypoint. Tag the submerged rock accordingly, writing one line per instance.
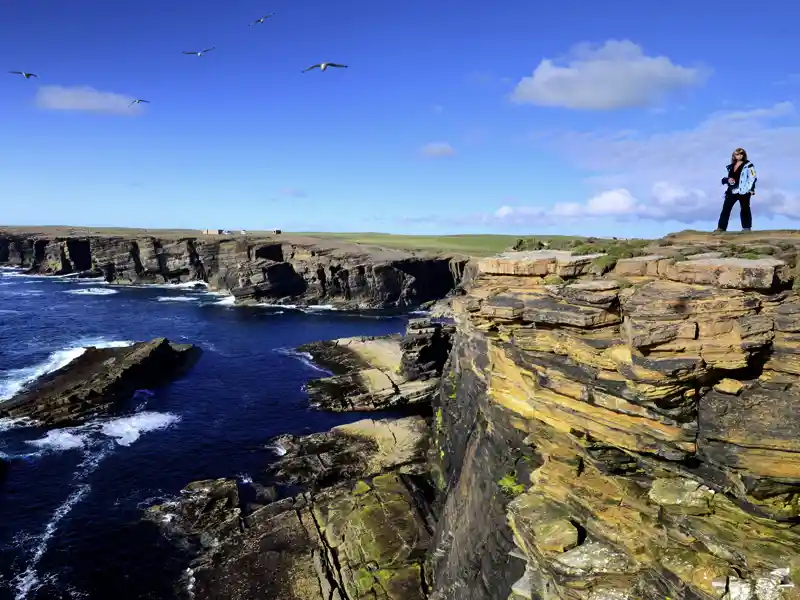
(97, 380)
(381, 372)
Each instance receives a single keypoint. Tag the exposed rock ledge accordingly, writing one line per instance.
(97, 380)
(363, 538)
(626, 437)
(380, 372)
(279, 269)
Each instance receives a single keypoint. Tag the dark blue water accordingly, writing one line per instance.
(71, 505)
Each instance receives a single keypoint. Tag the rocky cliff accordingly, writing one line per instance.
(613, 423)
(626, 436)
(288, 269)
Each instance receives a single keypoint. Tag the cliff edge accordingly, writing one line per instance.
(274, 269)
(622, 428)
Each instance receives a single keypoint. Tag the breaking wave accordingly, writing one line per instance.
(226, 301)
(178, 298)
(14, 381)
(303, 357)
(93, 291)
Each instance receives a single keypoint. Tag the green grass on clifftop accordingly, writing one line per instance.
(471, 244)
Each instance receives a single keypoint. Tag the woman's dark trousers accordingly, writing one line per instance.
(727, 207)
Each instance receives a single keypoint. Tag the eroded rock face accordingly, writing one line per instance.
(94, 382)
(288, 270)
(359, 531)
(620, 437)
(381, 372)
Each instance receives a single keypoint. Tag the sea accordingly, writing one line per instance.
(71, 503)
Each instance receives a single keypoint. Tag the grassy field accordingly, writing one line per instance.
(471, 244)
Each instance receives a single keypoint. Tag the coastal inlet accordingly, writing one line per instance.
(75, 491)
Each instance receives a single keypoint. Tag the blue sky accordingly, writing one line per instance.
(453, 117)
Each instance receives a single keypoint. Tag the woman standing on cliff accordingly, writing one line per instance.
(741, 182)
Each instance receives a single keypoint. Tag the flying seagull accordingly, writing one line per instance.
(323, 66)
(262, 19)
(138, 102)
(24, 74)
(201, 51)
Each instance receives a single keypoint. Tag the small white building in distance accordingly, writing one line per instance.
(243, 232)
(212, 231)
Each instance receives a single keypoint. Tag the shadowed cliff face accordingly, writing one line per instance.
(252, 270)
(626, 437)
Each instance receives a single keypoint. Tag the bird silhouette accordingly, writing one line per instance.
(323, 66)
(139, 102)
(24, 74)
(262, 19)
(201, 51)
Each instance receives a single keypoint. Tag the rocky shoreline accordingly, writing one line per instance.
(343, 514)
(277, 270)
(380, 373)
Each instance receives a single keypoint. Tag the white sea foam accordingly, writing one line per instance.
(178, 298)
(268, 305)
(315, 307)
(61, 439)
(28, 580)
(278, 449)
(121, 430)
(9, 423)
(245, 478)
(93, 291)
(14, 381)
(304, 357)
(185, 285)
(226, 301)
(100, 342)
(126, 430)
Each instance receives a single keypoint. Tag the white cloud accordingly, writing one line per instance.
(615, 75)
(85, 98)
(438, 149)
(675, 176)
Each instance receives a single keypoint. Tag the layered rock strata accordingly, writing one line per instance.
(355, 533)
(281, 269)
(380, 372)
(98, 380)
(625, 436)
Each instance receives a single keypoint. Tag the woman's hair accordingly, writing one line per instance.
(744, 154)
